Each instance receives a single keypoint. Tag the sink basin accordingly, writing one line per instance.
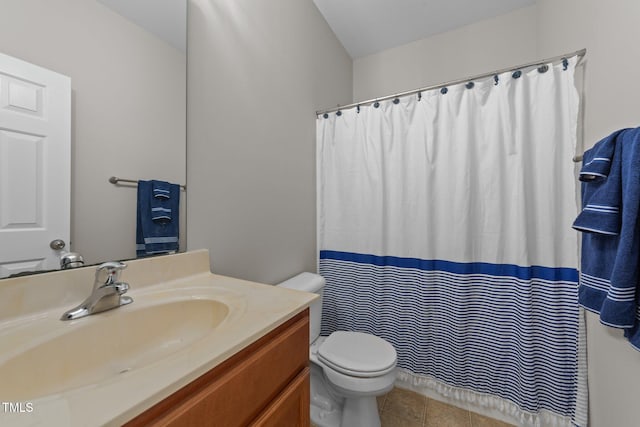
(101, 347)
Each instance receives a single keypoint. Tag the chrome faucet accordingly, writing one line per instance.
(107, 292)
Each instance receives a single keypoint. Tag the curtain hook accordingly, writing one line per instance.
(376, 104)
(470, 85)
(444, 90)
(358, 108)
(419, 96)
(565, 64)
(516, 74)
(543, 69)
(325, 115)
(496, 79)
(396, 101)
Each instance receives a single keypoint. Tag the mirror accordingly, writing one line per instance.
(126, 60)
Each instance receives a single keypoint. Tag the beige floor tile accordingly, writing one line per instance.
(381, 400)
(440, 414)
(405, 405)
(405, 408)
(390, 419)
(478, 420)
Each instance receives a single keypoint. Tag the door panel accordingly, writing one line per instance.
(35, 165)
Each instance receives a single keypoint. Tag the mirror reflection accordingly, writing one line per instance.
(109, 78)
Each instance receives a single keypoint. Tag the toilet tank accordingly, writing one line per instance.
(313, 283)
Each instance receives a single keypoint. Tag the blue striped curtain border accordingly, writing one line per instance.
(560, 274)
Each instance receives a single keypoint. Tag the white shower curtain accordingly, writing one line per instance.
(444, 226)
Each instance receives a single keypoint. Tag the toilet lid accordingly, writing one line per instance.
(357, 354)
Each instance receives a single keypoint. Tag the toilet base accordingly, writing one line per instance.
(322, 418)
(326, 407)
(360, 412)
(329, 409)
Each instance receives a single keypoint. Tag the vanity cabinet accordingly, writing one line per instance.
(266, 384)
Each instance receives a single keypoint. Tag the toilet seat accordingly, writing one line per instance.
(357, 354)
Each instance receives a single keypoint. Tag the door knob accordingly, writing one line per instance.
(57, 244)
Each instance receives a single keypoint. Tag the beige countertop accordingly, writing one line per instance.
(30, 308)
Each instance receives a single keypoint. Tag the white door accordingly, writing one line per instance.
(35, 165)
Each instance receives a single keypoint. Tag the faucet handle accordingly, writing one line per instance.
(112, 270)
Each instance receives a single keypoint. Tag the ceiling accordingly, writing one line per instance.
(167, 19)
(365, 27)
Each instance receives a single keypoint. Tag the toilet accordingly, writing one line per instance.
(348, 369)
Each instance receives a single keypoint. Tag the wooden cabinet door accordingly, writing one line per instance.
(290, 408)
(241, 388)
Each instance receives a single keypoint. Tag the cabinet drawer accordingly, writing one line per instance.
(291, 408)
(236, 391)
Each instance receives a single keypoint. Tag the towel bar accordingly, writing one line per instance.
(115, 181)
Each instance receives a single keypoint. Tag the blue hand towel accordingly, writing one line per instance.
(597, 163)
(601, 188)
(161, 189)
(161, 201)
(609, 269)
(160, 214)
(156, 237)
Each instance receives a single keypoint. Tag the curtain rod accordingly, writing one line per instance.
(579, 53)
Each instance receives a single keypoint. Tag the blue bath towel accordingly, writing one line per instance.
(155, 237)
(609, 271)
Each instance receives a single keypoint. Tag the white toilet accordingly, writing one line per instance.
(348, 369)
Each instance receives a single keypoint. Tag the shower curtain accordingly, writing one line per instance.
(444, 226)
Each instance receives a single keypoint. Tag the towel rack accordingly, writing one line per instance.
(115, 181)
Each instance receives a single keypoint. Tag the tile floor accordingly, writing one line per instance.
(404, 408)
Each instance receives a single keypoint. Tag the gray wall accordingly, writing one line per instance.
(491, 44)
(128, 109)
(257, 71)
(610, 32)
